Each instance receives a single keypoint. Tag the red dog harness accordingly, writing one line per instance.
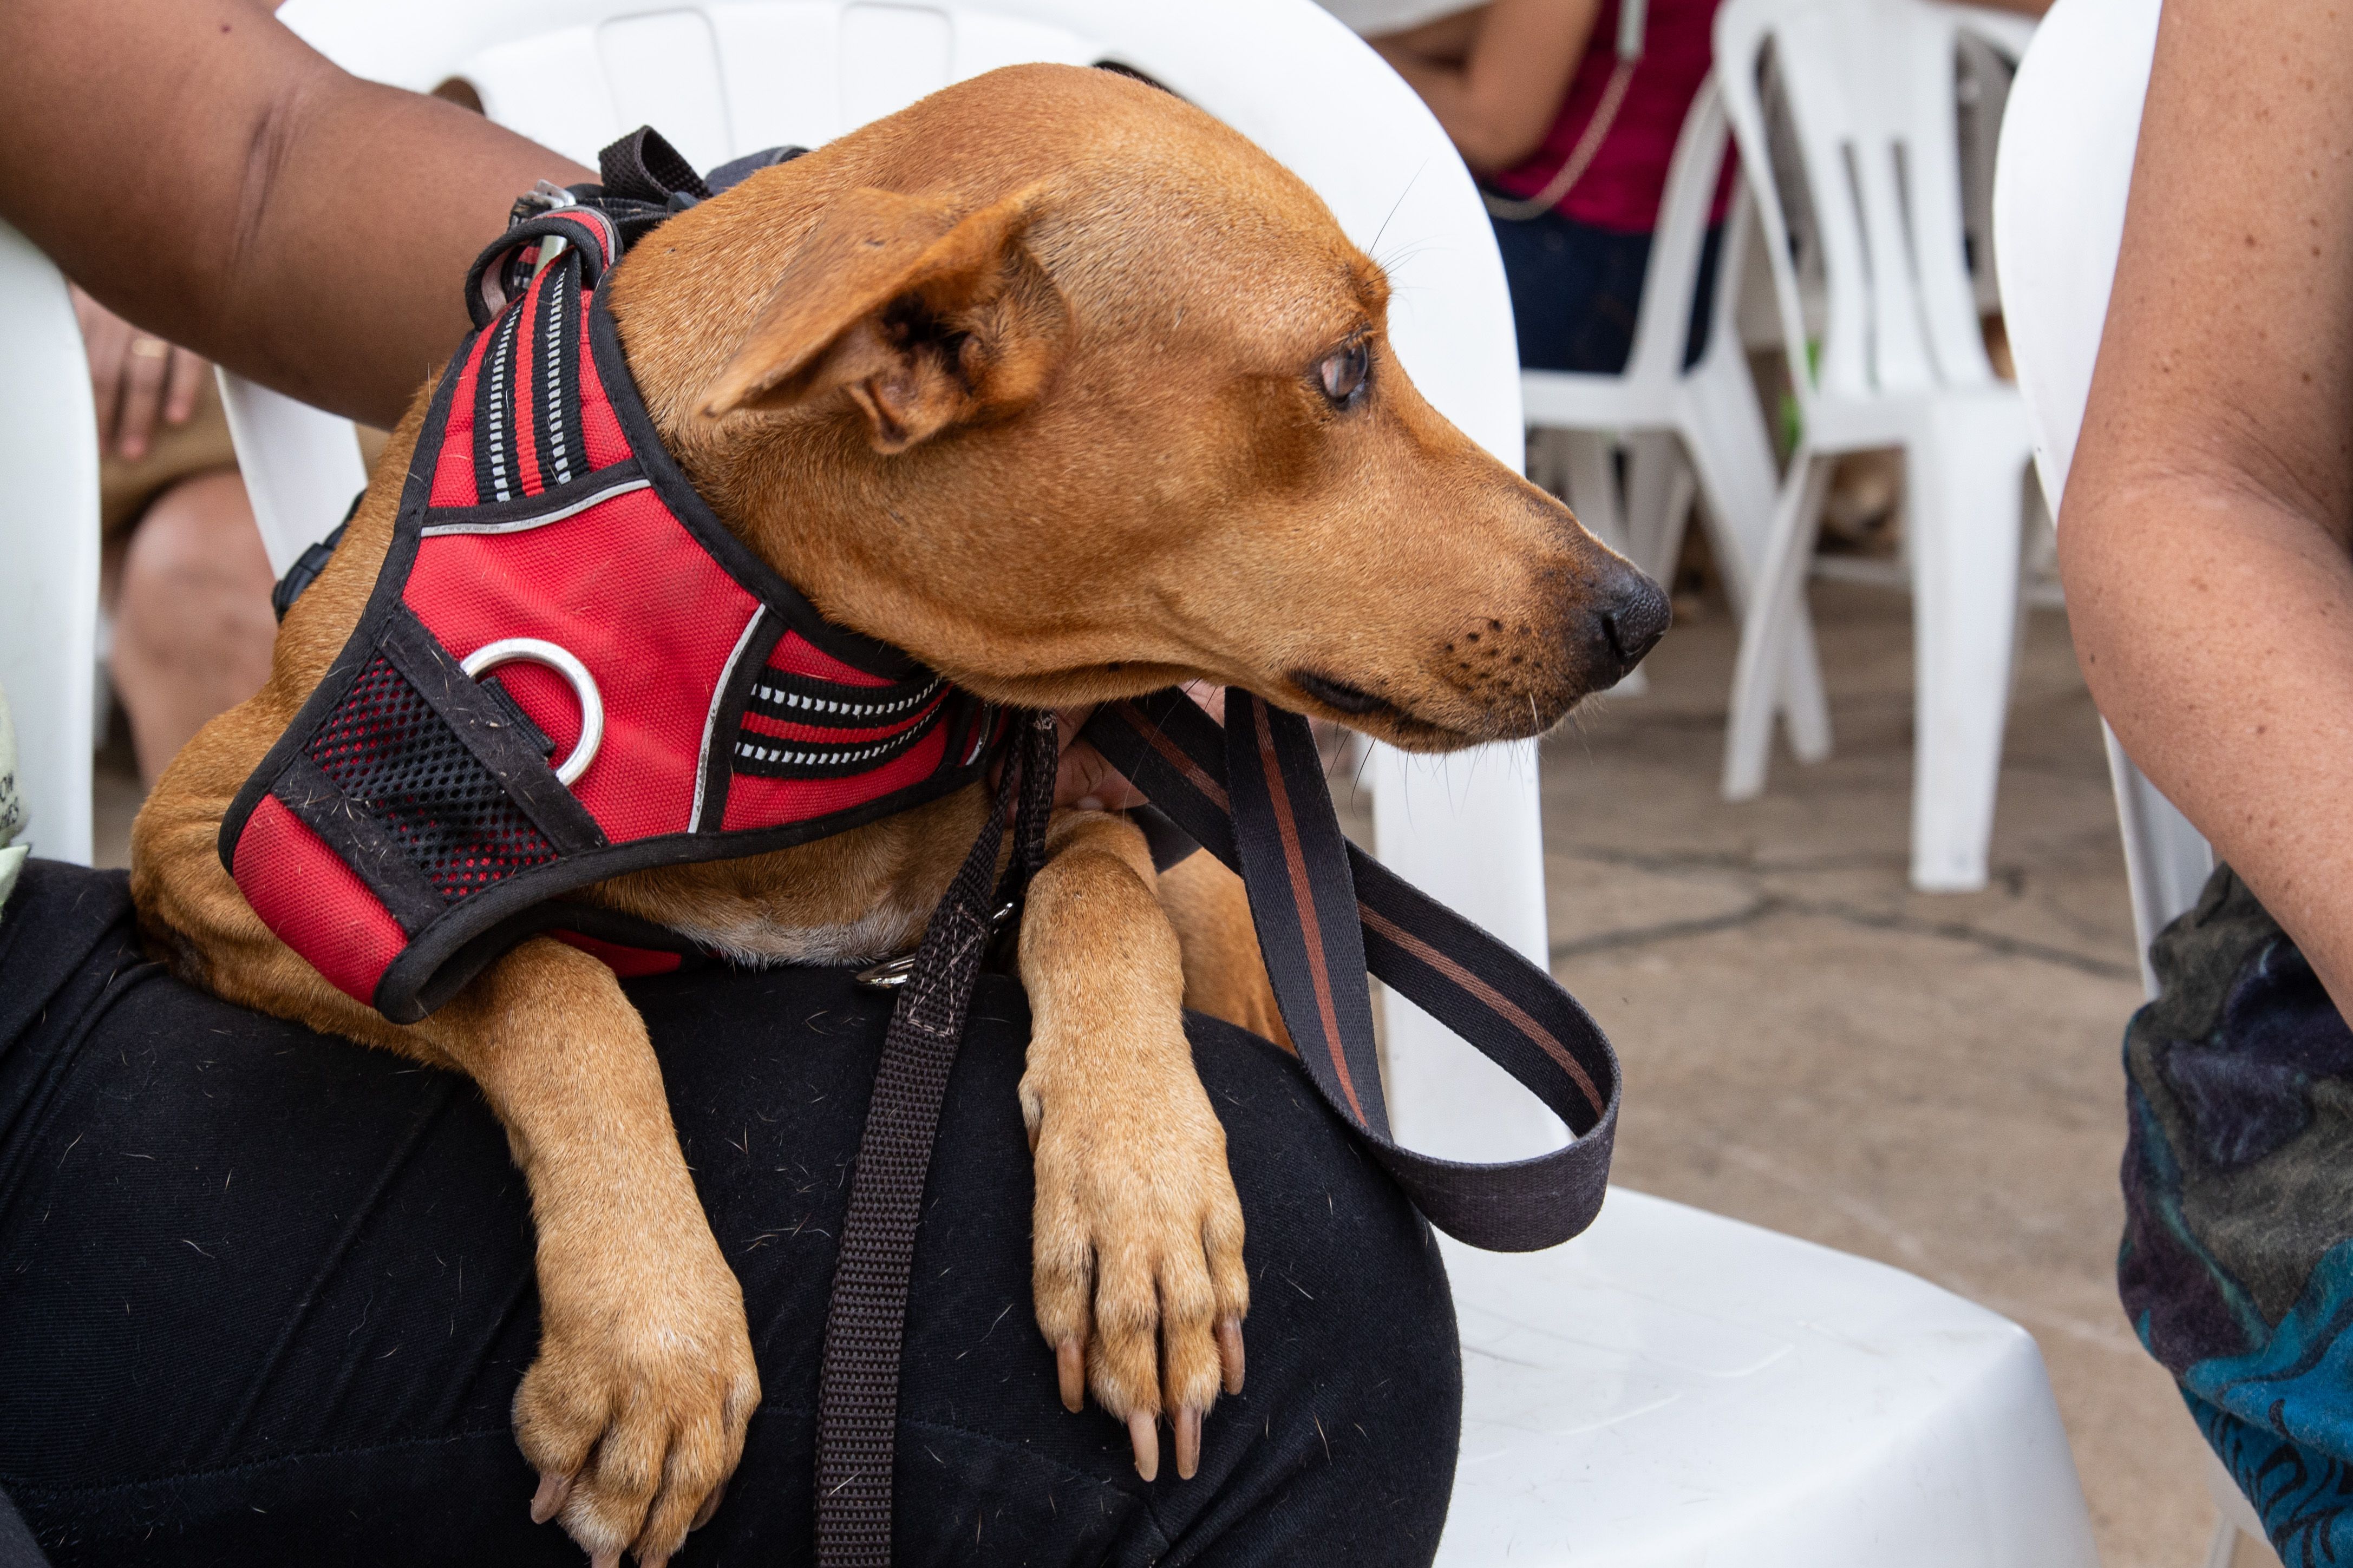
(662, 696)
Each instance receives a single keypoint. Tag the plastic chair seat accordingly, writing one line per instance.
(1676, 1388)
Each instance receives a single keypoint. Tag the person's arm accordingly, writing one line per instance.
(1496, 79)
(2204, 538)
(206, 174)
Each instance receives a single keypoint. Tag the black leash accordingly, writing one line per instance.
(857, 1389)
(1254, 796)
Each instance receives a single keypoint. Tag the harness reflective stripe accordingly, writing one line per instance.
(411, 825)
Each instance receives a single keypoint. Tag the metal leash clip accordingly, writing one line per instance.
(893, 972)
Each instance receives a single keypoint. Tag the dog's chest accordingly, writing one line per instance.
(757, 941)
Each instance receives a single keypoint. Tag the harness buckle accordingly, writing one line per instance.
(893, 972)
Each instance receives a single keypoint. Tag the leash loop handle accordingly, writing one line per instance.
(1254, 796)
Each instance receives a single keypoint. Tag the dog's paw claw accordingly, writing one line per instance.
(548, 1502)
(1230, 1353)
(1071, 1370)
(1187, 1429)
(1144, 1433)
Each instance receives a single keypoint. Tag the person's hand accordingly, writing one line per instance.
(1083, 779)
(133, 377)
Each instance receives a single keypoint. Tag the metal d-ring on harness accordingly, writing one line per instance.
(534, 650)
(1632, 16)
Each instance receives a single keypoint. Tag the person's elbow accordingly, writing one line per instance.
(1491, 143)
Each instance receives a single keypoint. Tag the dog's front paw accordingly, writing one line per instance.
(1138, 1273)
(634, 1413)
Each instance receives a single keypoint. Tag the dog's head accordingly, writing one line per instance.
(1071, 392)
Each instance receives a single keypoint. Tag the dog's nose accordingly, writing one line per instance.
(1631, 616)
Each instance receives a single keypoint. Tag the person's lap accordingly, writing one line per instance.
(1576, 292)
(266, 1295)
(2237, 1264)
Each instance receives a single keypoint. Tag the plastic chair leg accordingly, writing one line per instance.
(1965, 515)
(1776, 624)
(1733, 460)
(1593, 495)
(1659, 490)
(1591, 472)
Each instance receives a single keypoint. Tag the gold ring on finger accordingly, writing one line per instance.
(151, 347)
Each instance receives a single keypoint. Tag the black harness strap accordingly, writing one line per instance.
(1254, 796)
(857, 1389)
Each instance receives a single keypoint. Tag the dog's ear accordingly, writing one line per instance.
(926, 320)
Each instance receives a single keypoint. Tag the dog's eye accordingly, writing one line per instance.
(1344, 372)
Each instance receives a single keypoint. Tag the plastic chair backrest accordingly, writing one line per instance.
(733, 77)
(2065, 167)
(1868, 86)
(48, 549)
(1662, 321)
(720, 79)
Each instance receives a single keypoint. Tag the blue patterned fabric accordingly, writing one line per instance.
(2304, 1496)
(2237, 1262)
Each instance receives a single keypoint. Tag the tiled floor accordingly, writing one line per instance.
(1930, 1081)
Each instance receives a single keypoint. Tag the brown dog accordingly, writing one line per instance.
(1071, 393)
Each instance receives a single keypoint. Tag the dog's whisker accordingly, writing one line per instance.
(1418, 168)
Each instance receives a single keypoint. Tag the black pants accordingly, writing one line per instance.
(264, 1296)
(1576, 291)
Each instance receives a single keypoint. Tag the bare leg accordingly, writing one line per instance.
(192, 622)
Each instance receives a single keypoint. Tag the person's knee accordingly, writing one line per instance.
(192, 622)
(1347, 1427)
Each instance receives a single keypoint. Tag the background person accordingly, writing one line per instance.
(1572, 149)
(2206, 547)
(185, 576)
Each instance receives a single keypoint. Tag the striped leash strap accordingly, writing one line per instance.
(858, 1386)
(1254, 794)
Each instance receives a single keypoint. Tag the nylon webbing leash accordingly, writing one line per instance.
(865, 1321)
(1254, 795)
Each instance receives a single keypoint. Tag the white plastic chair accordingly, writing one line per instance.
(1671, 1388)
(48, 549)
(1870, 94)
(2067, 145)
(1685, 429)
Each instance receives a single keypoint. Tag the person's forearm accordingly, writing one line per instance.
(1498, 96)
(207, 175)
(2215, 629)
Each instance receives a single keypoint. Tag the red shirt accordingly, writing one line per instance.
(1620, 189)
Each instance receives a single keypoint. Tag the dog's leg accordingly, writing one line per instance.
(1137, 1240)
(1225, 973)
(634, 1413)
